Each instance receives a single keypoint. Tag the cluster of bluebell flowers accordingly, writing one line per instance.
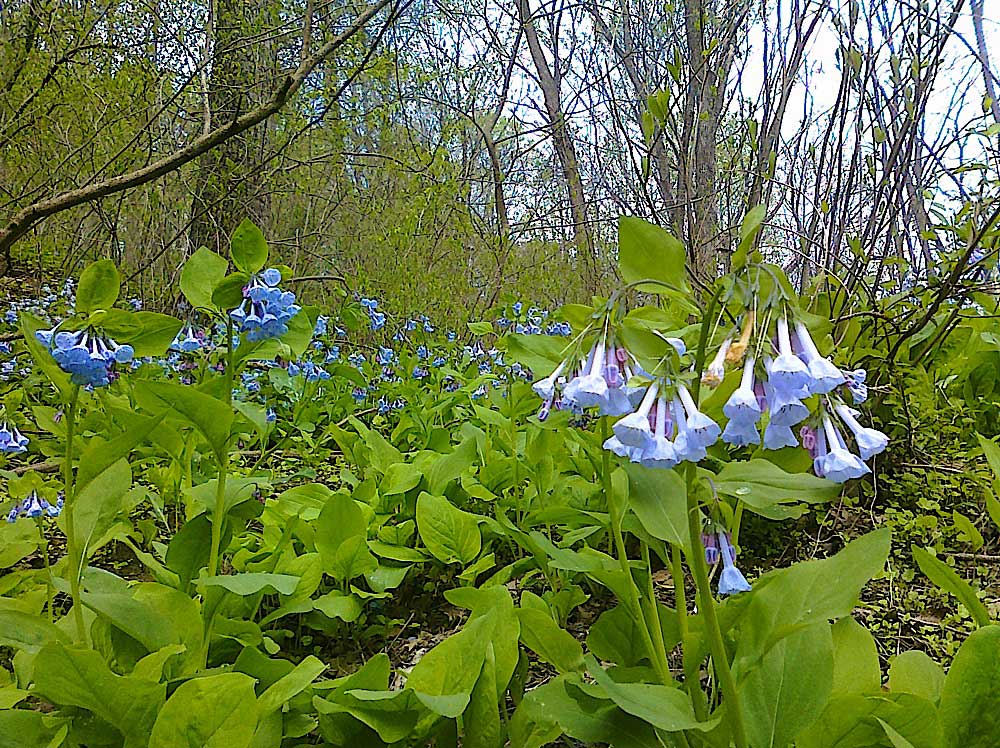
(719, 546)
(35, 506)
(266, 309)
(12, 441)
(786, 383)
(90, 358)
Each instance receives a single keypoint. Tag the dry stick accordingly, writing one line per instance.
(24, 220)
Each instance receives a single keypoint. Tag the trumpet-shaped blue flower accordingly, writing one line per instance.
(704, 429)
(687, 446)
(856, 385)
(777, 436)
(741, 433)
(824, 375)
(659, 451)
(187, 341)
(742, 405)
(870, 441)
(589, 388)
(731, 580)
(839, 464)
(788, 373)
(633, 430)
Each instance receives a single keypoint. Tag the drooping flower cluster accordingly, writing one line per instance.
(266, 309)
(91, 359)
(35, 506)
(309, 370)
(12, 441)
(781, 389)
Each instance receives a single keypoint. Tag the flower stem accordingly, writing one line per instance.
(49, 592)
(691, 679)
(619, 541)
(218, 515)
(73, 550)
(699, 568)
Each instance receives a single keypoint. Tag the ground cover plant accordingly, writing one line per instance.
(220, 523)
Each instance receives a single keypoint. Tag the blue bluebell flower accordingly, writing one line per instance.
(659, 451)
(270, 416)
(420, 372)
(705, 430)
(452, 336)
(309, 370)
(741, 433)
(711, 547)
(731, 580)
(788, 373)
(742, 405)
(5, 349)
(320, 328)
(777, 436)
(589, 387)
(439, 362)
(422, 352)
(687, 445)
(356, 359)
(34, 506)
(386, 356)
(266, 309)
(186, 340)
(377, 320)
(359, 393)
(12, 441)
(89, 358)
(824, 375)
(516, 307)
(633, 430)
(411, 325)
(870, 441)
(715, 372)
(370, 304)
(856, 385)
(332, 355)
(839, 464)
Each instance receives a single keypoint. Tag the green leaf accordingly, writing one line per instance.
(855, 721)
(448, 467)
(855, 658)
(970, 699)
(915, 672)
(554, 645)
(443, 678)
(212, 417)
(26, 632)
(480, 328)
(340, 520)
(97, 505)
(228, 292)
(248, 248)
(659, 500)
(540, 353)
(945, 577)
(761, 484)
(749, 230)
(99, 286)
(22, 728)
(352, 559)
(79, 677)
(787, 691)
(664, 707)
(153, 334)
(648, 252)
(218, 711)
(481, 719)
(399, 478)
(291, 685)
(992, 453)
(98, 456)
(253, 582)
(337, 604)
(200, 275)
(809, 592)
(972, 536)
(450, 534)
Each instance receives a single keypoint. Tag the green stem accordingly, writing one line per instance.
(73, 550)
(653, 616)
(691, 679)
(616, 533)
(218, 517)
(49, 592)
(706, 604)
(699, 567)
